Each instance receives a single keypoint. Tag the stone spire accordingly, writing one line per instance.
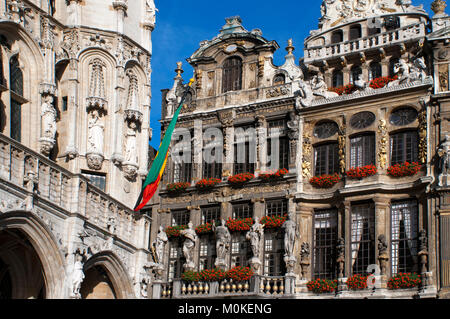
(179, 70)
(233, 25)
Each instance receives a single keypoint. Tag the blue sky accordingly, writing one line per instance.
(182, 25)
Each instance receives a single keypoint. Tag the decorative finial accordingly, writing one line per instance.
(438, 6)
(290, 47)
(179, 70)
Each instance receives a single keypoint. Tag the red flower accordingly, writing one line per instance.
(361, 172)
(177, 187)
(325, 181)
(240, 179)
(404, 169)
(207, 183)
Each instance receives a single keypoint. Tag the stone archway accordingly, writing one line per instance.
(106, 278)
(31, 263)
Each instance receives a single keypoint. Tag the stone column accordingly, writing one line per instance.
(198, 148)
(227, 169)
(382, 237)
(71, 150)
(304, 218)
(348, 238)
(261, 129)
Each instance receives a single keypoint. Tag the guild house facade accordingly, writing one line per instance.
(74, 133)
(325, 169)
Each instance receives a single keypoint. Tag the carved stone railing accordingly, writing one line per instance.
(272, 285)
(375, 41)
(60, 189)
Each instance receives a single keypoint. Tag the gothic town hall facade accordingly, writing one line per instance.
(327, 169)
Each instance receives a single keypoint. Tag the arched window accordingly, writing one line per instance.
(232, 75)
(338, 78)
(375, 71)
(279, 79)
(16, 87)
(337, 37)
(355, 32)
(354, 73)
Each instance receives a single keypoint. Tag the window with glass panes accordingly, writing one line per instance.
(404, 236)
(213, 149)
(362, 150)
(17, 99)
(207, 252)
(354, 73)
(277, 207)
(362, 237)
(278, 128)
(324, 245)
(242, 210)
(273, 253)
(182, 171)
(326, 159)
(375, 71)
(338, 78)
(180, 217)
(232, 74)
(176, 260)
(210, 213)
(240, 250)
(404, 147)
(98, 180)
(244, 150)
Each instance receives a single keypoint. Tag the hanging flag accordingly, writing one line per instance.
(156, 170)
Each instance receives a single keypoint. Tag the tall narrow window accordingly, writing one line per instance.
(240, 250)
(279, 142)
(404, 147)
(16, 89)
(180, 217)
(176, 260)
(212, 158)
(375, 71)
(355, 32)
(362, 150)
(183, 168)
(207, 252)
(245, 150)
(404, 235)
(325, 237)
(326, 159)
(392, 64)
(210, 213)
(338, 78)
(232, 75)
(354, 73)
(273, 253)
(363, 237)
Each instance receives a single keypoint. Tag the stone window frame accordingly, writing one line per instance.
(325, 166)
(407, 136)
(362, 152)
(284, 144)
(232, 77)
(273, 263)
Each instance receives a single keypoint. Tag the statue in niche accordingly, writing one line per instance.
(159, 243)
(223, 239)
(418, 69)
(290, 233)
(255, 234)
(77, 275)
(48, 115)
(444, 162)
(189, 245)
(95, 138)
(130, 149)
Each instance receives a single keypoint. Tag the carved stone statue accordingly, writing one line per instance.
(188, 246)
(223, 240)
(95, 137)
(340, 248)
(418, 69)
(130, 149)
(255, 234)
(382, 253)
(48, 115)
(290, 233)
(159, 244)
(361, 85)
(304, 259)
(30, 182)
(423, 250)
(292, 125)
(320, 88)
(444, 162)
(77, 276)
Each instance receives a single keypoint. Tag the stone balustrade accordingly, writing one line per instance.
(62, 190)
(271, 285)
(363, 44)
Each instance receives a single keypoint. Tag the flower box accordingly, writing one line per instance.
(240, 179)
(361, 172)
(344, 89)
(320, 286)
(175, 188)
(207, 183)
(239, 224)
(357, 282)
(273, 221)
(324, 181)
(237, 274)
(404, 281)
(271, 176)
(174, 231)
(404, 169)
(205, 228)
(381, 82)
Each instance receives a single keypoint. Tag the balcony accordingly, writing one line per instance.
(376, 41)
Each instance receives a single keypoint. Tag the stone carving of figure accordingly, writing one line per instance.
(223, 239)
(340, 248)
(360, 84)
(401, 69)
(327, 8)
(77, 275)
(319, 87)
(130, 150)
(95, 138)
(382, 246)
(48, 115)
(189, 245)
(444, 162)
(290, 233)
(304, 96)
(292, 125)
(423, 251)
(159, 243)
(150, 11)
(418, 69)
(30, 184)
(254, 235)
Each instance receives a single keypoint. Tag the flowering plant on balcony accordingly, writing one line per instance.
(207, 183)
(273, 221)
(324, 181)
(177, 187)
(404, 169)
(357, 282)
(190, 276)
(174, 231)
(267, 176)
(344, 89)
(239, 224)
(319, 286)
(240, 179)
(381, 82)
(404, 281)
(361, 172)
(239, 273)
(205, 228)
